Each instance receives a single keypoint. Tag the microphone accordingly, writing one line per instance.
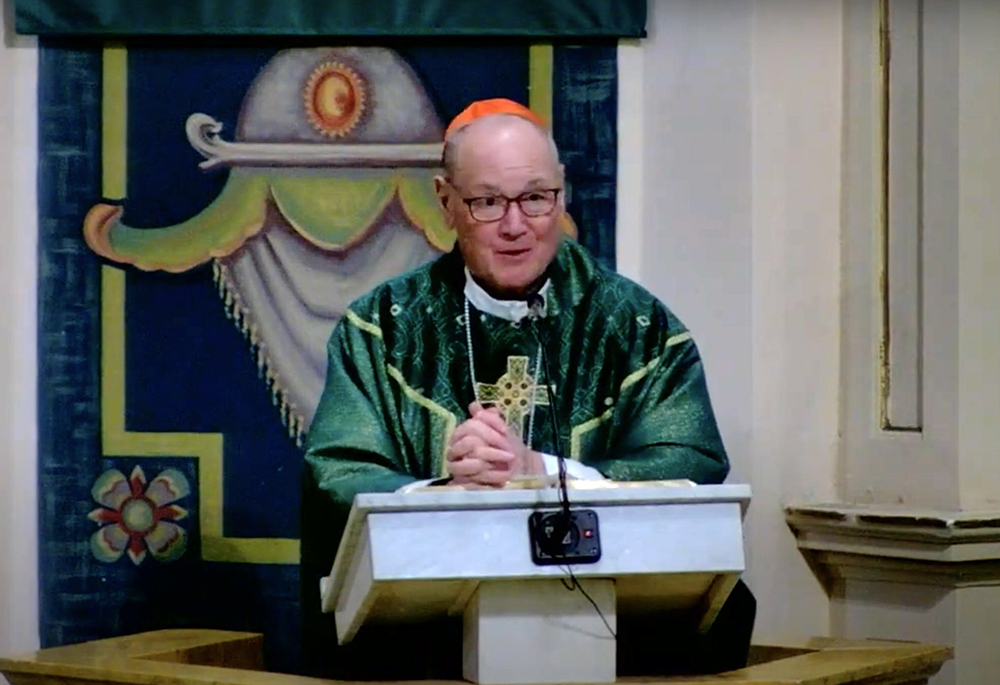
(536, 307)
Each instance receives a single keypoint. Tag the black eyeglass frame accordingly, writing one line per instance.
(508, 200)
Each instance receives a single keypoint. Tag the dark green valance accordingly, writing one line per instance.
(360, 18)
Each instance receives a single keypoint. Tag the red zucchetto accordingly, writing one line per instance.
(484, 108)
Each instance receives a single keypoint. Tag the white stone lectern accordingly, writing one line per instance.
(437, 552)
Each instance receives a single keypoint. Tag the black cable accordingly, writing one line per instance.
(556, 433)
(574, 584)
(535, 305)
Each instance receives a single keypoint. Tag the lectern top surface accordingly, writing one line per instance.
(582, 493)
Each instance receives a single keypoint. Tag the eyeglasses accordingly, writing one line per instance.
(494, 207)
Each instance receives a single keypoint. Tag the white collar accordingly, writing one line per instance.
(510, 310)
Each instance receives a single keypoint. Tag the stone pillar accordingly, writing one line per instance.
(912, 550)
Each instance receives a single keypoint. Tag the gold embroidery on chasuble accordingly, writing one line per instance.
(515, 394)
(443, 422)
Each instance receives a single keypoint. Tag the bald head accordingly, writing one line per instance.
(489, 135)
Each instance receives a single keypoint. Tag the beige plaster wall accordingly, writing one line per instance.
(18, 231)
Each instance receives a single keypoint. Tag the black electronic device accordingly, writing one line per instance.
(561, 537)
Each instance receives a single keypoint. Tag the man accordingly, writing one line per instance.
(439, 373)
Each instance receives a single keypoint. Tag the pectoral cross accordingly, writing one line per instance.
(515, 393)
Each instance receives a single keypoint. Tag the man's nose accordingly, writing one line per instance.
(513, 223)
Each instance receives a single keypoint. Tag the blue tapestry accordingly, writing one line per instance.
(202, 226)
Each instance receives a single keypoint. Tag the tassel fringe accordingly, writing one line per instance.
(239, 314)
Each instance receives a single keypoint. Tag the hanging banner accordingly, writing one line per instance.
(399, 18)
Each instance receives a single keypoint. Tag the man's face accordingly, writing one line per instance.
(501, 157)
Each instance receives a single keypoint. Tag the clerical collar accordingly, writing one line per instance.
(510, 310)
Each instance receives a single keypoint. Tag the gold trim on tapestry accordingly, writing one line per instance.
(114, 136)
(540, 69)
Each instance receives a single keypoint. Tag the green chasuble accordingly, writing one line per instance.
(627, 380)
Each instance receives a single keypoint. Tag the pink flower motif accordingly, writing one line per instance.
(135, 516)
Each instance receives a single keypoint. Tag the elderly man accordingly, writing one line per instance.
(439, 375)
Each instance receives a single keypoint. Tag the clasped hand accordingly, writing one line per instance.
(485, 452)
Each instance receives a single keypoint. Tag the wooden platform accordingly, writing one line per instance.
(213, 657)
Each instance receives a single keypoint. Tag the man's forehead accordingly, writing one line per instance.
(482, 173)
(502, 129)
(496, 146)
(489, 186)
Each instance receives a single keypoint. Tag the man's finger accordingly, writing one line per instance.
(486, 432)
(475, 409)
(497, 457)
(493, 420)
(464, 446)
(469, 466)
(492, 478)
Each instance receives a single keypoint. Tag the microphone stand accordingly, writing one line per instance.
(535, 309)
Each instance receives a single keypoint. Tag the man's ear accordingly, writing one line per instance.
(562, 180)
(441, 190)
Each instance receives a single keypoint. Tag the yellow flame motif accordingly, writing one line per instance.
(335, 99)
